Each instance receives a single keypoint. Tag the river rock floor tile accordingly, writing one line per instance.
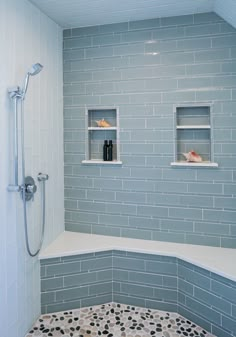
(115, 320)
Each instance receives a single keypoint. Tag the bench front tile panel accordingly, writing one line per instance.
(76, 281)
(145, 280)
(207, 299)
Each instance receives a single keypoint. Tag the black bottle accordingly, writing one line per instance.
(105, 150)
(110, 151)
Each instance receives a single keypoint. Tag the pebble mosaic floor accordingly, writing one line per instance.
(115, 320)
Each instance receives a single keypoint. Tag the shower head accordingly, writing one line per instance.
(34, 70)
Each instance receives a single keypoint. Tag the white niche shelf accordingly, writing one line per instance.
(95, 136)
(193, 131)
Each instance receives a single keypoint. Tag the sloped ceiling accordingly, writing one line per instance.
(227, 10)
(82, 13)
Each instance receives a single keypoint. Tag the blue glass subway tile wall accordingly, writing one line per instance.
(145, 280)
(145, 68)
(76, 281)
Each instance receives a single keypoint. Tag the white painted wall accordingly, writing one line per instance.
(28, 36)
(227, 10)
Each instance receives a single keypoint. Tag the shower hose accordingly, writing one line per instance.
(23, 189)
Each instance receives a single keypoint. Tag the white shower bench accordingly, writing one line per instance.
(221, 261)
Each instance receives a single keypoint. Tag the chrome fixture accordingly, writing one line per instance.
(34, 70)
(28, 187)
(42, 177)
(13, 92)
(17, 92)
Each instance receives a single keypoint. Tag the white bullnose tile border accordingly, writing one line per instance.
(217, 260)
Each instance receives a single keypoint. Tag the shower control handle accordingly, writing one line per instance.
(29, 188)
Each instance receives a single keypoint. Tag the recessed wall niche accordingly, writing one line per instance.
(97, 134)
(193, 132)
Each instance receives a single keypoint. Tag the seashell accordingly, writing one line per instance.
(192, 156)
(102, 123)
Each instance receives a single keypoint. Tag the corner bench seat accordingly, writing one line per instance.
(198, 282)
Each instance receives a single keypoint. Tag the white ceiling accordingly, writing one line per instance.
(82, 13)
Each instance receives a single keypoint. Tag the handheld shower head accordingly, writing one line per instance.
(34, 70)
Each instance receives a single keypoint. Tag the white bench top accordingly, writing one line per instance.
(221, 261)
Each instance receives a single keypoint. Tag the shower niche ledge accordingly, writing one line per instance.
(96, 134)
(193, 132)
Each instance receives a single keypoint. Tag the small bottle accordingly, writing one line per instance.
(110, 151)
(105, 150)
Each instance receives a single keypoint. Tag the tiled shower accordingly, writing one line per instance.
(146, 69)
